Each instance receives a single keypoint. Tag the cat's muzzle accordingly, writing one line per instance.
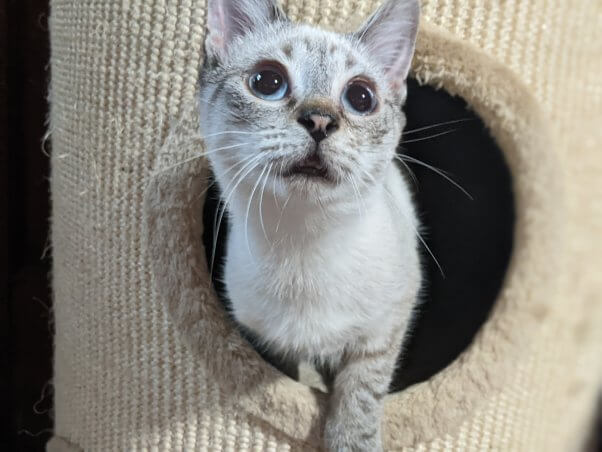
(312, 166)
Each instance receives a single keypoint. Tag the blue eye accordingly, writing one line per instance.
(269, 83)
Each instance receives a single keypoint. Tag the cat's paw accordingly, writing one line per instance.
(339, 437)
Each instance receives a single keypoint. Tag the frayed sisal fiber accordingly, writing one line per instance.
(144, 357)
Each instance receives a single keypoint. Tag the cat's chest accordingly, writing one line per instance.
(308, 312)
(316, 273)
(303, 281)
(318, 300)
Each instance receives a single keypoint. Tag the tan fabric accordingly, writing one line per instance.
(144, 358)
(58, 444)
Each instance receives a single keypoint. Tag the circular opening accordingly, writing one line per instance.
(463, 192)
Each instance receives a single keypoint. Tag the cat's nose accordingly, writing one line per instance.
(319, 124)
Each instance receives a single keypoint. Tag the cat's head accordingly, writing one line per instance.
(300, 110)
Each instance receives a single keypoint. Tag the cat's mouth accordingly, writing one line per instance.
(310, 167)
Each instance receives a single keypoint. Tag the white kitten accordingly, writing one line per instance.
(301, 127)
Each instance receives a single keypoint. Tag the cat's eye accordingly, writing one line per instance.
(359, 97)
(269, 82)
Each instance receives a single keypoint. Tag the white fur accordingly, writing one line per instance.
(313, 294)
(324, 271)
(312, 269)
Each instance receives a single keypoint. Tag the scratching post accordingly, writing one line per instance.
(145, 357)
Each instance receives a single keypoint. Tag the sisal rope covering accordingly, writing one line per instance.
(123, 70)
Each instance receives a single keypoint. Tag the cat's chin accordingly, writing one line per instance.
(308, 172)
(310, 184)
(308, 175)
(309, 180)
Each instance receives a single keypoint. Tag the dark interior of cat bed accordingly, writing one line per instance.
(468, 225)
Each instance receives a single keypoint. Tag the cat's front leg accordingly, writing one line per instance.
(353, 423)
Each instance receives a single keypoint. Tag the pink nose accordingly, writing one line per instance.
(318, 124)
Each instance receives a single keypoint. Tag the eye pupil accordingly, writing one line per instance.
(269, 84)
(360, 98)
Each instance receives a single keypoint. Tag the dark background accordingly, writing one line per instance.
(25, 320)
(25, 299)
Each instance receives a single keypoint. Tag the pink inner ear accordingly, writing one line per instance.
(390, 35)
(221, 17)
(217, 27)
(396, 83)
(217, 41)
(398, 71)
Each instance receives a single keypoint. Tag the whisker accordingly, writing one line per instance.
(195, 157)
(249, 161)
(230, 168)
(249, 209)
(234, 132)
(282, 211)
(223, 148)
(439, 124)
(274, 185)
(267, 176)
(360, 204)
(220, 208)
(225, 199)
(422, 241)
(436, 171)
(430, 137)
(412, 175)
(430, 252)
(255, 164)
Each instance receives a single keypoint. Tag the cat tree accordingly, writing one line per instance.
(145, 357)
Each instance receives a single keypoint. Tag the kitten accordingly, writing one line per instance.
(301, 127)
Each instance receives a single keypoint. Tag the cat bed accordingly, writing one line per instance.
(145, 354)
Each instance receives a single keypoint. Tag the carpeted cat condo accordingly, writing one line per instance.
(146, 356)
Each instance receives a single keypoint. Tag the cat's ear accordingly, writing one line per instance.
(229, 19)
(390, 36)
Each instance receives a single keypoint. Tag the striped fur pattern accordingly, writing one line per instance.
(324, 271)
